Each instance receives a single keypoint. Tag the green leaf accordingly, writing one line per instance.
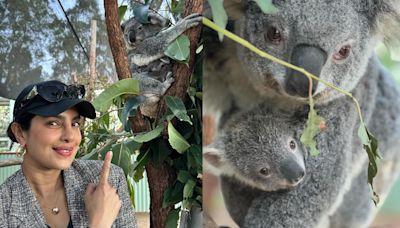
(370, 144)
(195, 157)
(121, 12)
(172, 219)
(121, 157)
(266, 6)
(311, 130)
(395, 54)
(183, 176)
(148, 136)
(173, 194)
(142, 13)
(131, 104)
(179, 49)
(176, 140)
(126, 86)
(177, 6)
(131, 191)
(177, 107)
(138, 166)
(160, 151)
(219, 15)
(188, 192)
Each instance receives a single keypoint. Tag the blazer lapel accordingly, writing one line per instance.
(24, 207)
(75, 187)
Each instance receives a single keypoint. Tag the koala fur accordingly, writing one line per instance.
(261, 148)
(320, 28)
(145, 45)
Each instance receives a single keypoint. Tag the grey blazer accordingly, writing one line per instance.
(19, 207)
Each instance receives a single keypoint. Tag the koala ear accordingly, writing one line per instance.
(157, 19)
(384, 19)
(213, 155)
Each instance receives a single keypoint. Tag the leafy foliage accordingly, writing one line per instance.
(178, 146)
(312, 129)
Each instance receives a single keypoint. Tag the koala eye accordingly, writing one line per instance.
(343, 53)
(140, 27)
(292, 145)
(265, 171)
(274, 35)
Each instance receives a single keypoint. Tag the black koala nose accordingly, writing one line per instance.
(132, 37)
(292, 171)
(312, 59)
(265, 171)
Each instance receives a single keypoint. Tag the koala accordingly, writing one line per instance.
(261, 148)
(329, 197)
(145, 44)
(335, 48)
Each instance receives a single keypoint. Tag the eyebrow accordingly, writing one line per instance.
(77, 117)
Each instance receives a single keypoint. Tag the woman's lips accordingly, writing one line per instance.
(64, 151)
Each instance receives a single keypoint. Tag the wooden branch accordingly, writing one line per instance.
(115, 38)
(92, 60)
(117, 45)
(183, 72)
(10, 162)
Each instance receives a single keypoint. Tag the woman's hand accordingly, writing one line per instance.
(102, 201)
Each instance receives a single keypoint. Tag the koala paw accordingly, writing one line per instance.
(191, 20)
(169, 80)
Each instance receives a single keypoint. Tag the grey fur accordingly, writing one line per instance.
(261, 148)
(146, 44)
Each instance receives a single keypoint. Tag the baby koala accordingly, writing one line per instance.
(261, 148)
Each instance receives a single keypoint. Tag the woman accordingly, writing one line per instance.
(52, 189)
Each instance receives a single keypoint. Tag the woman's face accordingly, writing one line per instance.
(52, 142)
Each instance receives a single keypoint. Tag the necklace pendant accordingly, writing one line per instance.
(55, 211)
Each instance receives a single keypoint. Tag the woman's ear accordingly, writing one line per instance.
(20, 135)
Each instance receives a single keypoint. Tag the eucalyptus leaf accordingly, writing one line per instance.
(121, 11)
(177, 107)
(131, 104)
(141, 13)
(311, 130)
(173, 194)
(160, 152)
(139, 165)
(370, 144)
(176, 140)
(131, 191)
(177, 6)
(188, 192)
(172, 219)
(395, 54)
(179, 49)
(148, 136)
(266, 6)
(183, 176)
(195, 157)
(219, 15)
(126, 86)
(121, 157)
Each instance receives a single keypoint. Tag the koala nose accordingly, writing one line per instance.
(312, 59)
(292, 171)
(132, 37)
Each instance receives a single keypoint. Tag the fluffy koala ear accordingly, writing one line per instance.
(384, 19)
(213, 157)
(157, 19)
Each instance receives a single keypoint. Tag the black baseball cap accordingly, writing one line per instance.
(51, 98)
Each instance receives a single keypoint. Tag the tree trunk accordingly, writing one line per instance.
(162, 177)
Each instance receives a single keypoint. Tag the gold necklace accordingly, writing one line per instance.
(55, 210)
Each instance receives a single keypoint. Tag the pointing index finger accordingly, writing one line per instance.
(106, 169)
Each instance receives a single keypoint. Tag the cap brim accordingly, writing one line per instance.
(83, 107)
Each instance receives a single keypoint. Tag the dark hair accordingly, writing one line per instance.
(24, 121)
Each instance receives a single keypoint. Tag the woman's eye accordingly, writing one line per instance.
(53, 124)
(76, 124)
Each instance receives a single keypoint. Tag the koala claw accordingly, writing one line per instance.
(192, 20)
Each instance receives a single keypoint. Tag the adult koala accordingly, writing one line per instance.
(335, 41)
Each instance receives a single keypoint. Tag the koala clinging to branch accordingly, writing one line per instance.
(261, 148)
(145, 45)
